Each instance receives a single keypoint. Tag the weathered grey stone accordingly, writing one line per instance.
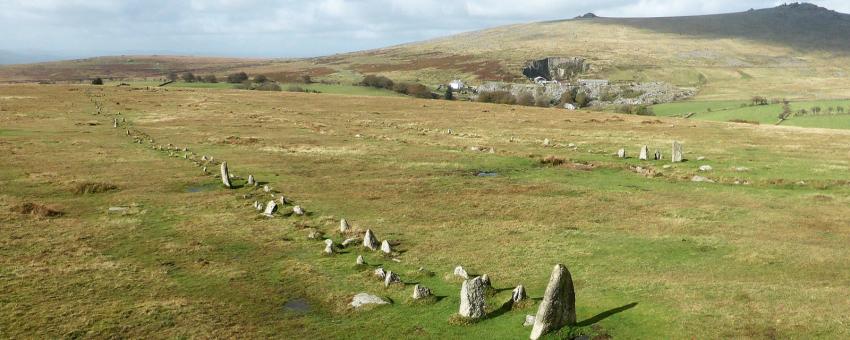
(297, 210)
(529, 321)
(259, 206)
(369, 240)
(315, 235)
(644, 153)
(459, 271)
(283, 200)
(621, 153)
(391, 278)
(657, 155)
(349, 241)
(519, 294)
(225, 175)
(485, 280)
(271, 208)
(420, 292)
(558, 307)
(700, 158)
(267, 188)
(701, 179)
(329, 247)
(472, 299)
(547, 142)
(385, 247)
(678, 153)
(251, 180)
(360, 260)
(362, 299)
(118, 210)
(380, 273)
(705, 168)
(343, 226)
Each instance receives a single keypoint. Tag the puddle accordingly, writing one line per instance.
(486, 174)
(297, 305)
(202, 187)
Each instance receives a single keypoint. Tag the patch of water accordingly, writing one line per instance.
(202, 187)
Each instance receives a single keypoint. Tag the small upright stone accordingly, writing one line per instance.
(369, 240)
(678, 153)
(485, 280)
(271, 208)
(644, 153)
(558, 308)
(380, 273)
(459, 271)
(360, 260)
(297, 210)
(385, 247)
(391, 278)
(657, 156)
(547, 142)
(621, 153)
(343, 226)
(267, 188)
(420, 292)
(225, 175)
(329, 247)
(472, 299)
(349, 241)
(251, 180)
(259, 206)
(519, 294)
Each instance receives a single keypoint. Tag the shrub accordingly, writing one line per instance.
(413, 90)
(211, 78)
(236, 78)
(497, 97)
(172, 76)
(268, 86)
(97, 81)
(758, 100)
(188, 77)
(582, 99)
(380, 82)
(640, 110)
(449, 94)
(261, 79)
(744, 121)
(35, 209)
(566, 98)
(93, 188)
(525, 99)
(541, 101)
(607, 96)
(295, 88)
(552, 160)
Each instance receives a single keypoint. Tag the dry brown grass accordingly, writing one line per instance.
(84, 188)
(36, 210)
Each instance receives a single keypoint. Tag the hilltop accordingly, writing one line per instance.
(794, 51)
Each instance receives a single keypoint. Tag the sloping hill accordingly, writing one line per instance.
(797, 51)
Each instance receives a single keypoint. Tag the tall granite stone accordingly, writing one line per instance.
(370, 241)
(472, 299)
(558, 308)
(678, 153)
(225, 175)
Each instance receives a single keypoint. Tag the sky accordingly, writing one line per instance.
(36, 30)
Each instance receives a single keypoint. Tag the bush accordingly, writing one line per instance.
(172, 76)
(541, 101)
(449, 94)
(259, 79)
(210, 79)
(380, 82)
(93, 188)
(268, 86)
(236, 78)
(497, 97)
(36, 210)
(97, 81)
(413, 90)
(188, 77)
(525, 99)
(759, 100)
(640, 110)
(582, 99)
(566, 98)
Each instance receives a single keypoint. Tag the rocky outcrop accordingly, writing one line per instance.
(600, 92)
(556, 68)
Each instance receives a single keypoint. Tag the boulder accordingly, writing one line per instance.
(343, 226)
(329, 247)
(362, 299)
(385, 247)
(391, 278)
(225, 175)
(472, 299)
(701, 179)
(369, 240)
(360, 260)
(420, 292)
(558, 308)
(519, 294)
(297, 210)
(621, 153)
(271, 208)
(459, 271)
(380, 273)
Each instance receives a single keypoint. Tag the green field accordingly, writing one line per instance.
(726, 111)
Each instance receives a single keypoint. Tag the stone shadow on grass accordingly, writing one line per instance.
(604, 315)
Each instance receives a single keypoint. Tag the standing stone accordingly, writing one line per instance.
(547, 142)
(459, 271)
(519, 294)
(385, 247)
(297, 210)
(657, 155)
(644, 153)
(369, 241)
(225, 175)
(360, 260)
(621, 153)
(128, 132)
(267, 188)
(485, 280)
(259, 206)
(472, 299)
(678, 153)
(329, 247)
(343, 226)
(251, 180)
(391, 278)
(380, 273)
(558, 307)
(205, 170)
(115, 122)
(271, 208)
(420, 292)
(283, 200)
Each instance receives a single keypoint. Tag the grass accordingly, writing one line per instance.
(651, 257)
(345, 89)
(730, 111)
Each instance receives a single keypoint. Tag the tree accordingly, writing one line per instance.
(449, 93)
(306, 79)
(380, 82)
(171, 76)
(759, 100)
(840, 109)
(97, 81)
(566, 98)
(261, 78)
(581, 99)
(188, 77)
(210, 78)
(236, 78)
(830, 110)
(816, 109)
(786, 110)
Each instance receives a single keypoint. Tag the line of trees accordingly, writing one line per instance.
(411, 89)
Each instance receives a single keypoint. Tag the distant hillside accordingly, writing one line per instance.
(794, 51)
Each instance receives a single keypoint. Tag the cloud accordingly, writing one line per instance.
(285, 28)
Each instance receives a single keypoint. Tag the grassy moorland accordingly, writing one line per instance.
(834, 114)
(652, 256)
